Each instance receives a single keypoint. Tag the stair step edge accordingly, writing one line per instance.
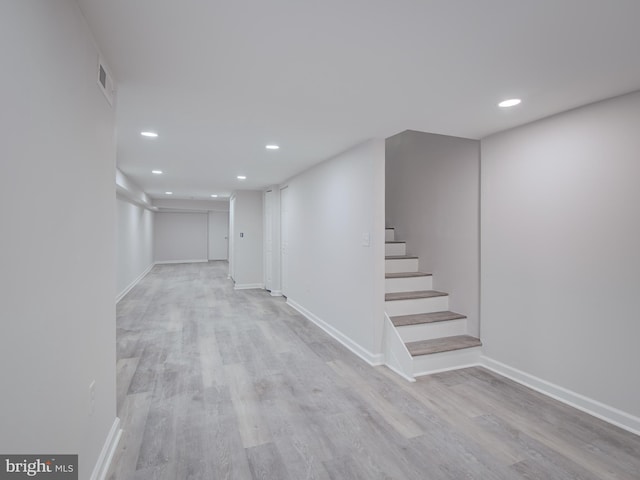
(422, 318)
(407, 275)
(390, 297)
(444, 344)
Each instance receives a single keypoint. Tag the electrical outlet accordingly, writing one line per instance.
(92, 397)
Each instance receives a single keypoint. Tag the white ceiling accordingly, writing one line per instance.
(218, 80)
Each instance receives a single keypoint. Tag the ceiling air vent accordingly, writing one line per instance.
(105, 81)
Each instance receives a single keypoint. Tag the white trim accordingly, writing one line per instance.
(166, 262)
(396, 355)
(371, 358)
(398, 372)
(604, 412)
(134, 283)
(247, 286)
(108, 450)
(276, 293)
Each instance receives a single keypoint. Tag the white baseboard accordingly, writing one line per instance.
(247, 286)
(134, 283)
(276, 293)
(108, 450)
(604, 412)
(168, 262)
(367, 356)
(398, 372)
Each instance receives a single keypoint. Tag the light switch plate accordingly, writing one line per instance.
(366, 239)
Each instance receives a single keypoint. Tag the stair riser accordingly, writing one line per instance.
(401, 265)
(416, 305)
(438, 362)
(389, 235)
(428, 331)
(410, 284)
(395, 249)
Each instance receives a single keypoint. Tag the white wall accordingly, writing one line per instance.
(247, 239)
(180, 237)
(177, 244)
(284, 239)
(331, 275)
(272, 239)
(432, 200)
(134, 243)
(57, 252)
(218, 235)
(232, 235)
(560, 243)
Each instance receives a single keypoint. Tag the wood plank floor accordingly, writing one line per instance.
(221, 384)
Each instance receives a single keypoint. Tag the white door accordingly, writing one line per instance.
(284, 238)
(268, 240)
(218, 235)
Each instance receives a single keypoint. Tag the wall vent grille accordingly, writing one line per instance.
(106, 83)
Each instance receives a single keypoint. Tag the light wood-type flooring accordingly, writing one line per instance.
(221, 384)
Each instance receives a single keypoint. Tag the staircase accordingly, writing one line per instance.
(422, 336)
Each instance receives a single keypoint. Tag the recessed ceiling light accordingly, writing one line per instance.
(272, 147)
(241, 177)
(149, 134)
(168, 193)
(214, 196)
(157, 172)
(512, 102)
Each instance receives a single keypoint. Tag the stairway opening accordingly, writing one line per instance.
(434, 338)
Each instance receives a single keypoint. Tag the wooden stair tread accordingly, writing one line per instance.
(444, 344)
(406, 275)
(412, 295)
(417, 319)
(399, 257)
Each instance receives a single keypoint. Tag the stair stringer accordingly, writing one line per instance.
(396, 355)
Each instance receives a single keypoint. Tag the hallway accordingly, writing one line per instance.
(215, 383)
